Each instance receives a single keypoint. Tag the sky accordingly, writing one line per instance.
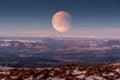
(90, 18)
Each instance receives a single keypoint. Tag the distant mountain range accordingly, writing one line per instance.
(56, 51)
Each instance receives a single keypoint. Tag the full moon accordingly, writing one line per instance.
(61, 21)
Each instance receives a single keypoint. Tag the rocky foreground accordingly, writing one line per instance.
(74, 72)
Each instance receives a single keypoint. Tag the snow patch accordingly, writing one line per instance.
(80, 76)
(76, 72)
(94, 78)
(55, 78)
(117, 70)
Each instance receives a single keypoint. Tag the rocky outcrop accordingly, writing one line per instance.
(74, 72)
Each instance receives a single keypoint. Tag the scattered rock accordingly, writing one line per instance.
(106, 72)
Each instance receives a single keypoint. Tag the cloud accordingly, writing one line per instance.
(78, 32)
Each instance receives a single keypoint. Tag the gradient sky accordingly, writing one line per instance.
(90, 18)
